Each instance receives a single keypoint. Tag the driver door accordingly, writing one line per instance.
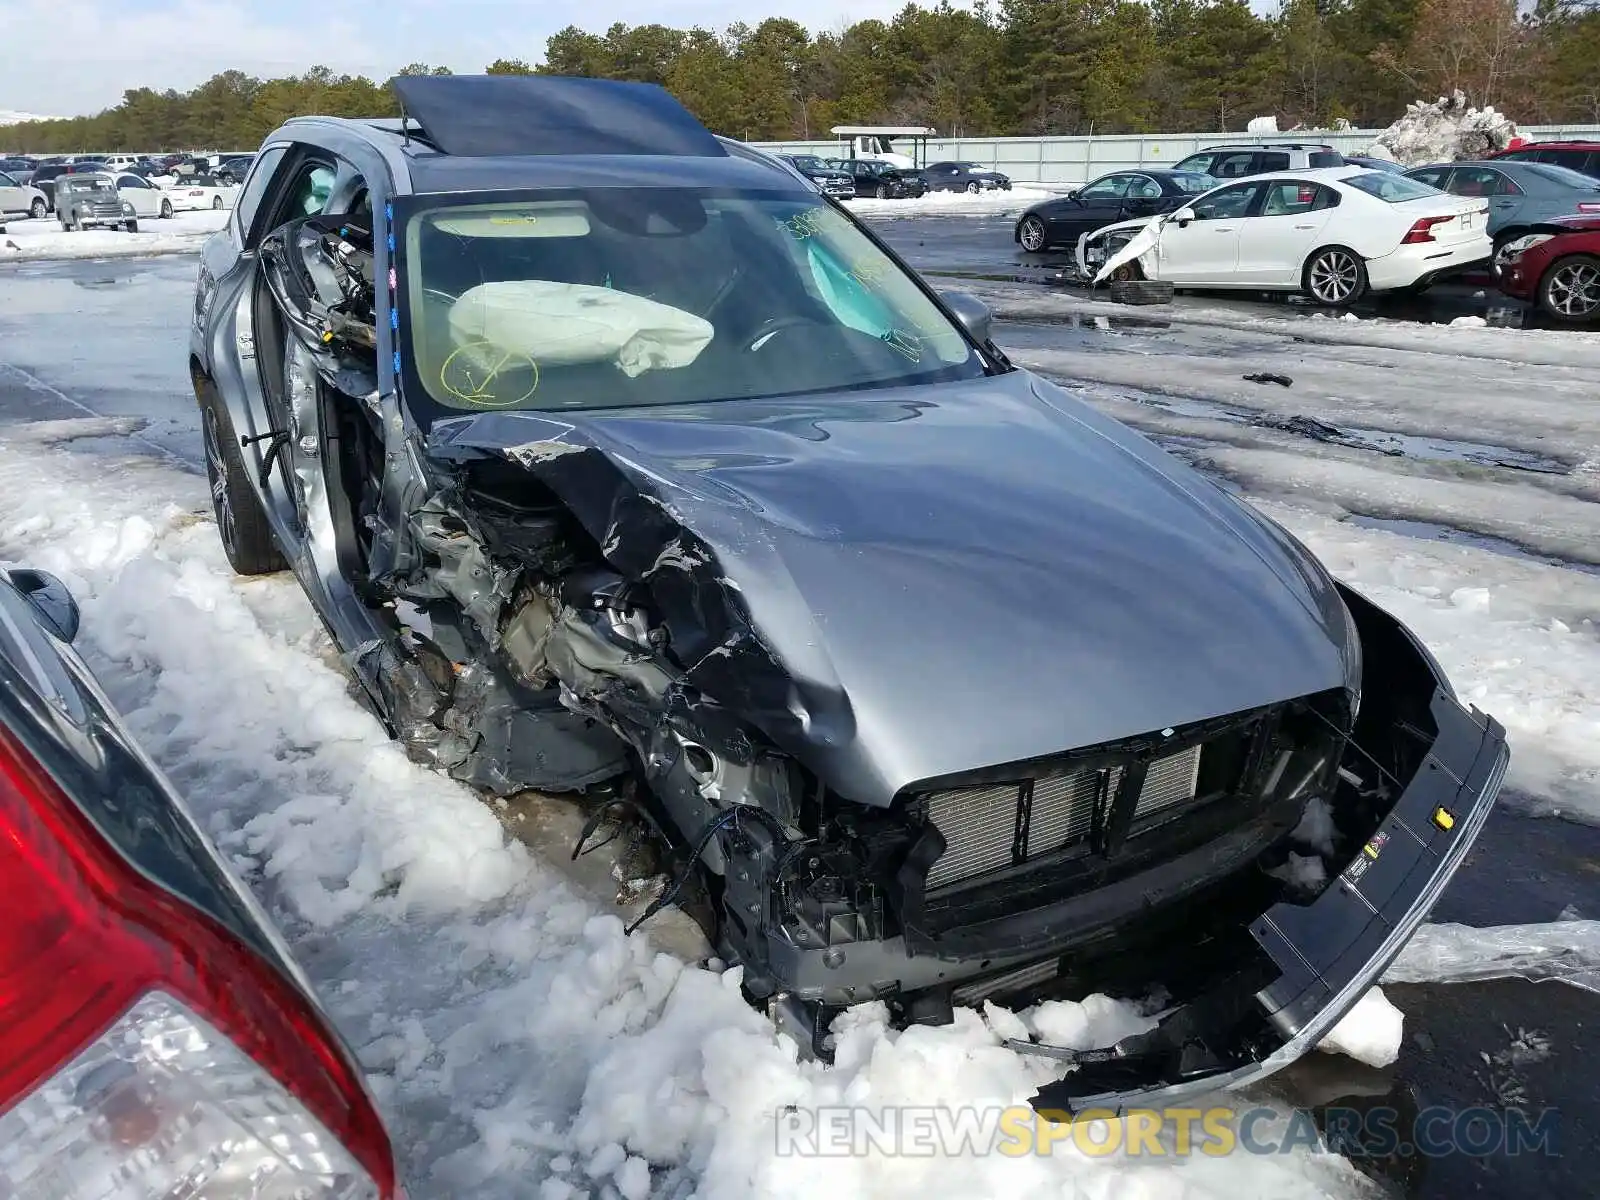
(145, 199)
(1100, 203)
(1206, 250)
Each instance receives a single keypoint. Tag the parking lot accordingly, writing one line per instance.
(1442, 453)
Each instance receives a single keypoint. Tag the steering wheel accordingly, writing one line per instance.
(772, 326)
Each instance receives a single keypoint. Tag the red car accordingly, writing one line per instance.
(1577, 156)
(1556, 266)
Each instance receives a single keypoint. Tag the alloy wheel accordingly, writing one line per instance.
(166, 209)
(38, 208)
(1573, 291)
(217, 469)
(1334, 277)
(974, 187)
(1032, 234)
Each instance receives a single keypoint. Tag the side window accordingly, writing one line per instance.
(1110, 187)
(1506, 186)
(1227, 203)
(1200, 164)
(261, 174)
(1326, 198)
(1591, 164)
(7, 181)
(1326, 158)
(1521, 156)
(312, 187)
(1233, 166)
(1433, 177)
(1289, 197)
(1144, 188)
(1481, 181)
(1273, 161)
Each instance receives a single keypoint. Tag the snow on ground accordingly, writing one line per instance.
(30, 240)
(988, 204)
(519, 1044)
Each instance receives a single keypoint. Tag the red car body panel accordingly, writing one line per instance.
(1582, 236)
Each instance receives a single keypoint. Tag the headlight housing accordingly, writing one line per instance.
(1517, 247)
(127, 208)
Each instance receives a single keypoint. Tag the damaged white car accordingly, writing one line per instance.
(1334, 234)
(622, 465)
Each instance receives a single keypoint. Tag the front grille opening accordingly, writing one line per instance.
(1006, 825)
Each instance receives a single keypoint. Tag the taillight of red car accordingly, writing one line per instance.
(144, 1051)
(1422, 230)
(1589, 206)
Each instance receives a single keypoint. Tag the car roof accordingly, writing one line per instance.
(1572, 144)
(1232, 146)
(513, 132)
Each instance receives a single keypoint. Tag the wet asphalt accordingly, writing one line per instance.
(110, 339)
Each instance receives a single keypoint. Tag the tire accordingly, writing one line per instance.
(166, 210)
(38, 208)
(974, 188)
(882, 192)
(1141, 291)
(1334, 275)
(1570, 290)
(216, 202)
(75, 225)
(1031, 233)
(241, 521)
(132, 226)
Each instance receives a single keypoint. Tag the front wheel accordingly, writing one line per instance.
(974, 188)
(882, 192)
(1335, 276)
(166, 210)
(38, 208)
(241, 521)
(1031, 234)
(216, 202)
(131, 226)
(1570, 289)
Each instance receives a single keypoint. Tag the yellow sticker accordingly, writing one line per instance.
(473, 369)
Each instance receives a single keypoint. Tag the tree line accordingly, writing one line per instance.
(1004, 68)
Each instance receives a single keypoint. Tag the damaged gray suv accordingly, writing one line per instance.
(621, 465)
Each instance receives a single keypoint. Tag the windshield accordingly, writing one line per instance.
(808, 162)
(617, 297)
(1385, 185)
(86, 183)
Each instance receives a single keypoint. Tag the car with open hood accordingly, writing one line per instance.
(623, 467)
(882, 180)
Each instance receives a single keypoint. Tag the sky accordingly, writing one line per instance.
(72, 57)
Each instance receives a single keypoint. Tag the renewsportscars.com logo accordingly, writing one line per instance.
(1017, 1130)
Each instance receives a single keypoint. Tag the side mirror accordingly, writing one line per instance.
(50, 599)
(974, 315)
(1073, 194)
(1183, 216)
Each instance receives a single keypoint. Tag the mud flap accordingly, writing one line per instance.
(1324, 955)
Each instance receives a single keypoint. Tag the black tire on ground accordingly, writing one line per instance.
(76, 225)
(1032, 236)
(241, 522)
(1334, 275)
(38, 208)
(883, 191)
(1570, 290)
(166, 210)
(132, 226)
(1141, 291)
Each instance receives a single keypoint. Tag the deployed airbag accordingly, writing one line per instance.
(559, 324)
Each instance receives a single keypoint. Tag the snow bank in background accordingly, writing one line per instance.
(28, 240)
(1446, 130)
(1370, 1032)
(518, 1043)
(991, 204)
(1262, 125)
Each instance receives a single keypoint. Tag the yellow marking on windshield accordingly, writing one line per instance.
(472, 383)
(905, 342)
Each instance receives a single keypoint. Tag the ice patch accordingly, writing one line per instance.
(1370, 1032)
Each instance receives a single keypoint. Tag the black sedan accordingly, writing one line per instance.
(1120, 196)
(831, 180)
(883, 180)
(964, 177)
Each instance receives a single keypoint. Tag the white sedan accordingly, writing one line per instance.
(1334, 233)
(147, 199)
(196, 191)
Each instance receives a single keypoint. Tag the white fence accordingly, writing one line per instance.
(1068, 161)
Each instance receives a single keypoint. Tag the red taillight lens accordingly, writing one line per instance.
(1422, 230)
(1589, 206)
(93, 957)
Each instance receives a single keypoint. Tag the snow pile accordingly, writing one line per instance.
(519, 1044)
(1370, 1032)
(1262, 125)
(1446, 130)
(10, 116)
(31, 241)
(991, 204)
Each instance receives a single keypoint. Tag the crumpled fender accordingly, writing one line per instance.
(1138, 245)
